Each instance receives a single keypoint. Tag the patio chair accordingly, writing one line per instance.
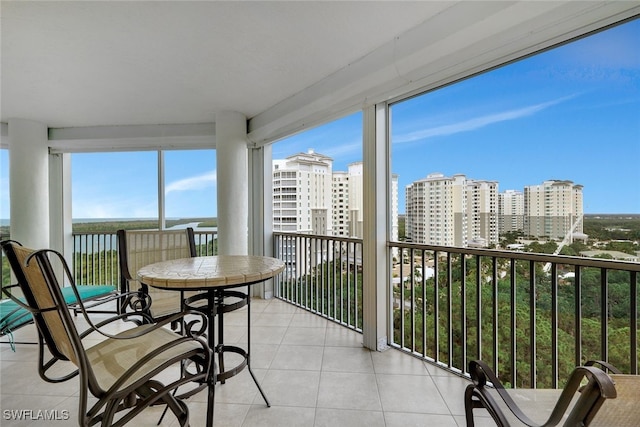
(14, 316)
(121, 371)
(575, 405)
(138, 248)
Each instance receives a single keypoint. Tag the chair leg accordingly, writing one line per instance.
(468, 406)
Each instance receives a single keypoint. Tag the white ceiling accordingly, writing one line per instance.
(285, 65)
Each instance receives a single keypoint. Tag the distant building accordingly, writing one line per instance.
(510, 211)
(302, 193)
(309, 197)
(451, 211)
(622, 256)
(553, 209)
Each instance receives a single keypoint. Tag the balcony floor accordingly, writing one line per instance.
(315, 373)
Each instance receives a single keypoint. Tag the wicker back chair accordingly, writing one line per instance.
(121, 370)
(138, 248)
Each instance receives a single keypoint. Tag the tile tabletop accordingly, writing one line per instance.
(210, 271)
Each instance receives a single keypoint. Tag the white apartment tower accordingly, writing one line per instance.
(308, 197)
(340, 204)
(302, 193)
(482, 213)
(510, 211)
(553, 209)
(452, 211)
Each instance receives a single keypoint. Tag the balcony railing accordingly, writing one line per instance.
(323, 274)
(533, 317)
(96, 261)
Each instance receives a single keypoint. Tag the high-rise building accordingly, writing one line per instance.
(510, 211)
(302, 193)
(451, 211)
(553, 209)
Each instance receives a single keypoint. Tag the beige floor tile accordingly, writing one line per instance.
(347, 359)
(340, 390)
(298, 357)
(348, 418)
(296, 335)
(410, 393)
(290, 388)
(279, 416)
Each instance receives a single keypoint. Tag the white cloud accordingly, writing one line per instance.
(478, 122)
(193, 183)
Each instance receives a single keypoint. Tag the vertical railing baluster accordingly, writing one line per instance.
(424, 302)
(449, 310)
(494, 282)
(478, 308)
(436, 306)
(532, 324)
(578, 315)
(513, 342)
(633, 322)
(604, 313)
(554, 325)
(463, 309)
(412, 293)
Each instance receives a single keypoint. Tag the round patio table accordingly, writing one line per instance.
(214, 275)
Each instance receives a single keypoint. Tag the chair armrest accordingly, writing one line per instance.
(605, 366)
(189, 327)
(600, 387)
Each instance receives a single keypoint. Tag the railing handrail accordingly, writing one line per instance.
(318, 236)
(527, 256)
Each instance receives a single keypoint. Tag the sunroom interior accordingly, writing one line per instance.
(93, 77)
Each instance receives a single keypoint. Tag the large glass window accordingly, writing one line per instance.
(124, 185)
(114, 185)
(190, 184)
(328, 163)
(530, 149)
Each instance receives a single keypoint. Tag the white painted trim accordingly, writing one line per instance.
(132, 138)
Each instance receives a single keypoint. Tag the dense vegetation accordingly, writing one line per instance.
(520, 305)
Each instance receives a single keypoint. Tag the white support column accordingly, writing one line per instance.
(233, 183)
(261, 211)
(29, 182)
(375, 272)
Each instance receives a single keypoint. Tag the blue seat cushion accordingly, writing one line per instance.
(12, 316)
(86, 292)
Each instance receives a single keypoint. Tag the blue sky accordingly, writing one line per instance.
(571, 113)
